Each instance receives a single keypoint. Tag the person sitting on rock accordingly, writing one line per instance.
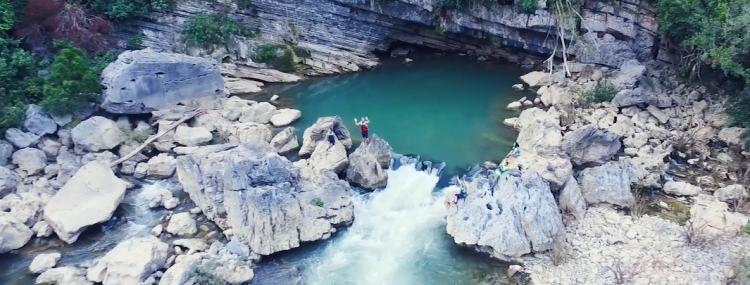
(461, 194)
(331, 136)
(516, 149)
(502, 168)
(362, 123)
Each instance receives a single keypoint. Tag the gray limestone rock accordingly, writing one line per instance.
(506, 216)
(97, 134)
(241, 187)
(608, 183)
(142, 81)
(38, 121)
(591, 145)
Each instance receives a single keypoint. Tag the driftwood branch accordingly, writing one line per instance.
(150, 140)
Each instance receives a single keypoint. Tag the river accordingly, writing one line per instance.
(446, 110)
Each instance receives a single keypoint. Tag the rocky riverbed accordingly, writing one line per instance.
(599, 141)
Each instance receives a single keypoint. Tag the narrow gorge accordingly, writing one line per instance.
(219, 148)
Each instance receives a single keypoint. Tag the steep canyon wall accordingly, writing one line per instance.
(343, 34)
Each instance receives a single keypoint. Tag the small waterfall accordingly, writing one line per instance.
(394, 232)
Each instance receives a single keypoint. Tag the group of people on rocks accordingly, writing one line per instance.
(362, 123)
(503, 167)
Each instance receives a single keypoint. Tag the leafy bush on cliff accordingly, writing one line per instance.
(279, 56)
(122, 10)
(73, 80)
(712, 33)
(603, 91)
(210, 30)
(528, 6)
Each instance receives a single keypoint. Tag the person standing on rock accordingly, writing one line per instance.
(363, 127)
(331, 136)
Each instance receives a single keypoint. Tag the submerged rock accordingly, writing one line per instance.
(130, 262)
(44, 262)
(88, 198)
(316, 134)
(142, 81)
(242, 187)
(506, 216)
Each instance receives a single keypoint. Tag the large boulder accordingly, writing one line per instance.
(37, 121)
(368, 164)
(30, 160)
(64, 276)
(44, 262)
(21, 139)
(713, 217)
(6, 150)
(142, 81)
(316, 134)
(246, 133)
(88, 198)
(188, 136)
(270, 204)
(284, 117)
(97, 134)
(571, 200)
(285, 141)
(540, 138)
(13, 233)
(591, 145)
(182, 224)
(681, 188)
(161, 166)
(521, 216)
(131, 262)
(608, 183)
(8, 181)
(329, 156)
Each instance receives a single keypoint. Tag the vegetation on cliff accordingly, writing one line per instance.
(208, 31)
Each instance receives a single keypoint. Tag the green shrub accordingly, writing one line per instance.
(123, 10)
(528, 6)
(20, 82)
(318, 202)
(742, 271)
(210, 30)
(746, 229)
(603, 91)
(738, 109)
(72, 82)
(6, 16)
(279, 56)
(203, 274)
(136, 42)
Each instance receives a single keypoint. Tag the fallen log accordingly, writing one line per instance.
(150, 140)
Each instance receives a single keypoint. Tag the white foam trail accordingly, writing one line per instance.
(391, 232)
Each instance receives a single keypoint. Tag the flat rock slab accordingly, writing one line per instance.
(88, 198)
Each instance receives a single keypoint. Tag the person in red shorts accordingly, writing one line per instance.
(362, 123)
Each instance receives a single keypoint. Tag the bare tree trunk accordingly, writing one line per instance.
(150, 140)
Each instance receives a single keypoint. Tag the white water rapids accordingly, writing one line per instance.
(398, 237)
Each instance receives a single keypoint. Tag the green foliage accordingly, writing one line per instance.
(738, 109)
(603, 91)
(137, 135)
(713, 33)
(209, 30)
(439, 30)
(6, 16)
(123, 10)
(746, 229)
(280, 56)
(19, 82)
(203, 274)
(318, 202)
(136, 42)
(742, 271)
(72, 81)
(448, 3)
(528, 6)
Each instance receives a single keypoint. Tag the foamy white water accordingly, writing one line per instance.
(393, 231)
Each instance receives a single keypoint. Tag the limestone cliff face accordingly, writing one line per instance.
(342, 34)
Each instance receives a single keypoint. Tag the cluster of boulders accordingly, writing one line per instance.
(600, 153)
(63, 174)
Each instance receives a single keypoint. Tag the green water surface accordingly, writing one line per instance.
(446, 109)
